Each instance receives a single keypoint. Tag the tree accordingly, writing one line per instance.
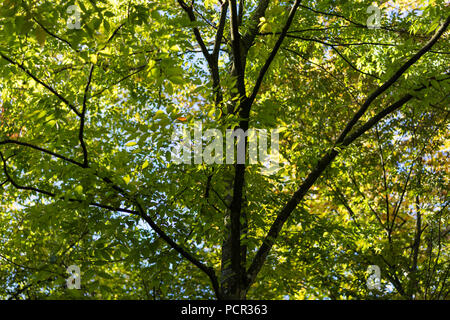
(88, 113)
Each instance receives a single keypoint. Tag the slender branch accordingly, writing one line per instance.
(397, 207)
(386, 193)
(333, 47)
(209, 271)
(351, 64)
(220, 198)
(275, 49)
(139, 69)
(344, 87)
(377, 216)
(341, 197)
(45, 85)
(392, 80)
(29, 145)
(83, 118)
(357, 24)
(333, 15)
(190, 12)
(415, 248)
(116, 32)
(54, 195)
(54, 35)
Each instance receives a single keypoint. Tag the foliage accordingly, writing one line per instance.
(88, 114)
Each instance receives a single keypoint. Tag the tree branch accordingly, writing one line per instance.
(45, 85)
(29, 145)
(259, 12)
(83, 118)
(54, 35)
(198, 37)
(392, 80)
(53, 195)
(320, 167)
(386, 193)
(275, 49)
(209, 271)
(239, 68)
(214, 64)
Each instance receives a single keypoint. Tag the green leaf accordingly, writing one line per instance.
(41, 36)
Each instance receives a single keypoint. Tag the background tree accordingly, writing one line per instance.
(86, 125)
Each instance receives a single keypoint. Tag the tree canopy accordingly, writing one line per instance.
(91, 93)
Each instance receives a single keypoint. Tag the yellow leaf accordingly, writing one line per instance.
(151, 64)
(78, 189)
(93, 58)
(159, 114)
